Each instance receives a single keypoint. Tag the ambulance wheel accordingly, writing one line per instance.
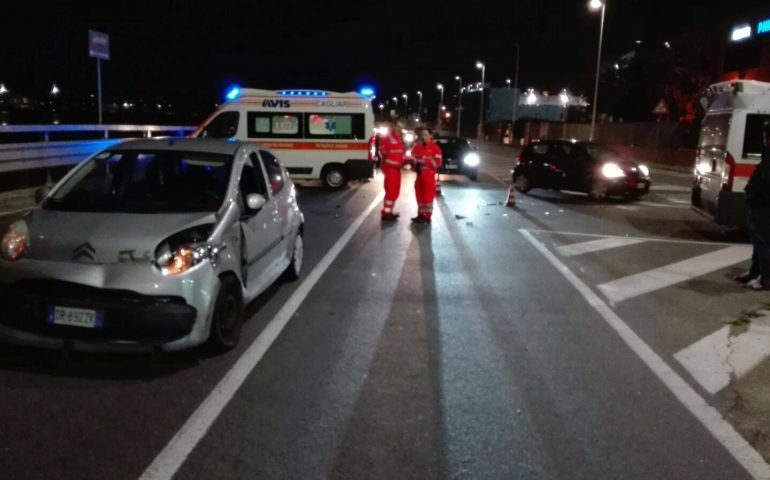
(334, 176)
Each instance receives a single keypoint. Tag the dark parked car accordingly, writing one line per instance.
(459, 157)
(579, 166)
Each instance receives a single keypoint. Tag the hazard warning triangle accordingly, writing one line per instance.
(661, 108)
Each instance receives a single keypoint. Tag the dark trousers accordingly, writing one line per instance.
(759, 230)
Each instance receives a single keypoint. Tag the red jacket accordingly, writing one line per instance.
(392, 151)
(429, 155)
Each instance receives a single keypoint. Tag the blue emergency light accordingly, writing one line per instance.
(233, 93)
(367, 91)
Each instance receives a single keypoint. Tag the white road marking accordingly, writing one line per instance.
(670, 188)
(717, 359)
(179, 448)
(665, 276)
(646, 239)
(661, 205)
(707, 415)
(596, 245)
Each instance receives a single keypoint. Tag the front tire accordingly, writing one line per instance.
(598, 192)
(227, 320)
(334, 177)
(294, 269)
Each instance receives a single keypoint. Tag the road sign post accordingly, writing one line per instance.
(99, 48)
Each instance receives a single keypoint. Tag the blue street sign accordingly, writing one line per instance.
(98, 45)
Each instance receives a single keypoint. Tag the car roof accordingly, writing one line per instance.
(225, 147)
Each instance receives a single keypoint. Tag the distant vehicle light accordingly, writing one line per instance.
(409, 137)
(233, 93)
(612, 170)
(472, 160)
(645, 171)
(741, 33)
(409, 152)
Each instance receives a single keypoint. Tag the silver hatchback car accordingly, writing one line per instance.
(150, 244)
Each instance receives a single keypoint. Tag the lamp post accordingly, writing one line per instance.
(508, 82)
(419, 105)
(480, 129)
(596, 5)
(406, 105)
(440, 88)
(54, 90)
(395, 102)
(515, 93)
(459, 101)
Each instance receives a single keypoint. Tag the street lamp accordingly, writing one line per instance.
(3, 90)
(419, 104)
(395, 102)
(596, 5)
(440, 88)
(382, 107)
(406, 105)
(55, 90)
(480, 132)
(508, 82)
(459, 101)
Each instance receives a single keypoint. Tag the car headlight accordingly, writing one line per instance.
(612, 170)
(645, 171)
(15, 242)
(471, 160)
(181, 252)
(183, 258)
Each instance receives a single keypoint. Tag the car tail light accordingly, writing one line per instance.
(728, 173)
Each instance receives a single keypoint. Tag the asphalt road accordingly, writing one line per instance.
(499, 342)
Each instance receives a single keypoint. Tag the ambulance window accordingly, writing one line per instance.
(752, 140)
(338, 126)
(274, 171)
(713, 131)
(273, 125)
(224, 125)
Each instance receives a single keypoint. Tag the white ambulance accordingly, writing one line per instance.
(729, 148)
(317, 134)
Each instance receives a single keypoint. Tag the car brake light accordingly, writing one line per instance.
(728, 173)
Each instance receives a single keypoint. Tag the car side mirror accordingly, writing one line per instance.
(255, 201)
(41, 193)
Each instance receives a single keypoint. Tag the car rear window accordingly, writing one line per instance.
(713, 131)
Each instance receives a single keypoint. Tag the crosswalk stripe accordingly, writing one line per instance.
(661, 205)
(715, 360)
(596, 245)
(657, 278)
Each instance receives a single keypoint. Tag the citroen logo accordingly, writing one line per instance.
(84, 251)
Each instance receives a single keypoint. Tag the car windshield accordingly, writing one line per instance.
(602, 153)
(126, 181)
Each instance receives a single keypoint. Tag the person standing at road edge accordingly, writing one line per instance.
(427, 160)
(758, 204)
(392, 152)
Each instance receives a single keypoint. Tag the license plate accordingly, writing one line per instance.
(75, 317)
(451, 167)
(641, 186)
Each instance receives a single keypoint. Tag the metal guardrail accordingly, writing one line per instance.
(49, 154)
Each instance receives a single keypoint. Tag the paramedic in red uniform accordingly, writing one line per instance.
(392, 153)
(427, 159)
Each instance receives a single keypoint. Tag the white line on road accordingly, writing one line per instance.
(718, 358)
(708, 416)
(667, 275)
(596, 245)
(646, 239)
(179, 448)
(670, 188)
(661, 205)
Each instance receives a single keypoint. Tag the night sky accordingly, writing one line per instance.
(195, 48)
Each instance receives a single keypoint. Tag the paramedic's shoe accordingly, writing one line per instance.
(756, 284)
(420, 219)
(389, 217)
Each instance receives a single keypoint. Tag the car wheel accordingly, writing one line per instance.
(334, 177)
(227, 320)
(297, 255)
(522, 183)
(598, 191)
